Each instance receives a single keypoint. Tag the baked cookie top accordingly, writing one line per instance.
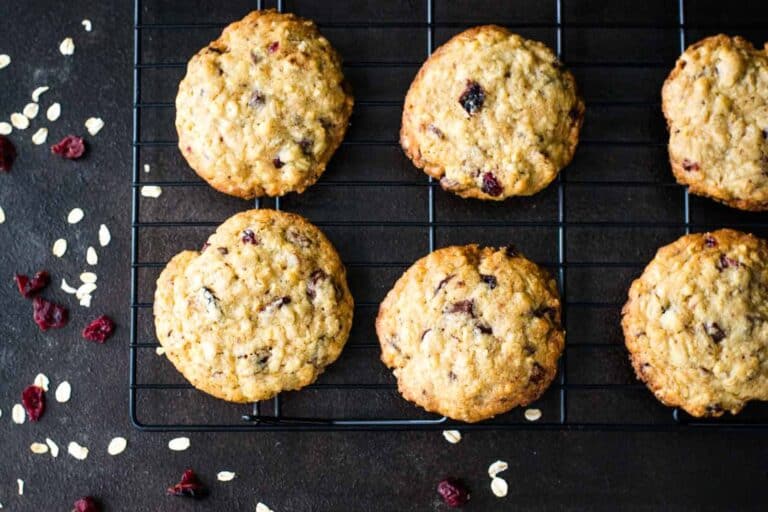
(696, 322)
(472, 332)
(716, 104)
(263, 308)
(262, 109)
(492, 115)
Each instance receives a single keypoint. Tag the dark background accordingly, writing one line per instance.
(596, 470)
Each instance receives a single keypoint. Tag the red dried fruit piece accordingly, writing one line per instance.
(7, 154)
(725, 262)
(29, 287)
(489, 280)
(278, 163)
(453, 492)
(314, 278)
(690, 166)
(249, 237)
(273, 46)
(99, 330)
(33, 400)
(48, 314)
(491, 185)
(472, 98)
(710, 242)
(189, 486)
(464, 306)
(257, 99)
(86, 504)
(715, 332)
(70, 147)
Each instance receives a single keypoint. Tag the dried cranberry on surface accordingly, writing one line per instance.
(690, 166)
(70, 147)
(453, 492)
(709, 241)
(273, 46)
(249, 237)
(189, 486)
(715, 332)
(29, 287)
(490, 280)
(33, 400)
(725, 262)
(86, 504)
(491, 185)
(278, 163)
(7, 154)
(99, 330)
(472, 98)
(48, 314)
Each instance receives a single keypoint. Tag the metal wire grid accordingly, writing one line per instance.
(256, 419)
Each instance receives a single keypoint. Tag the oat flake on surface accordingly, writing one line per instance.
(59, 247)
(40, 136)
(88, 277)
(53, 112)
(42, 381)
(19, 121)
(2, 215)
(91, 257)
(87, 25)
(94, 125)
(151, 191)
(53, 446)
(39, 92)
(452, 436)
(17, 414)
(63, 392)
(225, 476)
(31, 110)
(4, 60)
(160, 351)
(499, 487)
(260, 507)
(85, 289)
(67, 289)
(67, 46)
(179, 444)
(497, 467)
(5, 128)
(532, 414)
(104, 235)
(117, 446)
(77, 451)
(38, 448)
(75, 216)
(85, 301)
(20, 484)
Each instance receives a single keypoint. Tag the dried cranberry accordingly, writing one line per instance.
(574, 113)
(472, 98)
(257, 99)
(48, 314)
(511, 251)
(189, 486)
(205, 246)
(33, 399)
(690, 166)
(491, 185)
(453, 492)
(306, 146)
(7, 154)
(544, 311)
(99, 330)
(725, 262)
(314, 278)
(86, 504)
(489, 280)
(436, 131)
(715, 332)
(249, 237)
(70, 147)
(765, 134)
(709, 241)
(485, 329)
(29, 287)
(273, 46)
(464, 306)
(278, 163)
(537, 373)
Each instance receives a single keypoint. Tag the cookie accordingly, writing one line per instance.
(472, 332)
(262, 109)
(264, 307)
(492, 115)
(716, 104)
(696, 322)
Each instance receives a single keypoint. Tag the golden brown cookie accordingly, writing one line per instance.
(492, 115)
(263, 308)
(472, 332)
(696, 322)
(262, 109)
(716, 104)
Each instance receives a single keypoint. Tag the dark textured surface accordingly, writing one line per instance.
(343, 471)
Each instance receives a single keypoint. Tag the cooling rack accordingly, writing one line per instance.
(594, 228)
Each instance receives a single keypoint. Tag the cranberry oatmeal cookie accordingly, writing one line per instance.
(716, 104)
(696, 322)
(472, 332)
(492, 115)
(264, 307)
(262, 109)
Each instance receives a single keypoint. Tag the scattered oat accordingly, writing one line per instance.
(67, 288)
(87, 25)
(59, 247)
(67, 46)
(5, 128)
(20, 483)
(85, 301)
(151, 191)
(53, 112)
(117, 446)
(496, 468)
(2, 215)
(91, 257)
(88, 277)
(38, 448)
(532, 414)
(19, 121)
(17, 414)
(499, 487)
(40, 136)
(178, 444)
(42, 381)
(146, 168)
(63, 392)
(225, 476)
(30, 110)
(53, 446)
(260, 507)
(75, 216)
(39, 92)
(160, 351)
(452, 436)
(104, 236)
(4, 60)
(85, 289)
(94, 125)
(77, 451)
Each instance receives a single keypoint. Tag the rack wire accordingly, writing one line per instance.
(595, 227)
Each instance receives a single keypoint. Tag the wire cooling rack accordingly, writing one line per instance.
(595, 227)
